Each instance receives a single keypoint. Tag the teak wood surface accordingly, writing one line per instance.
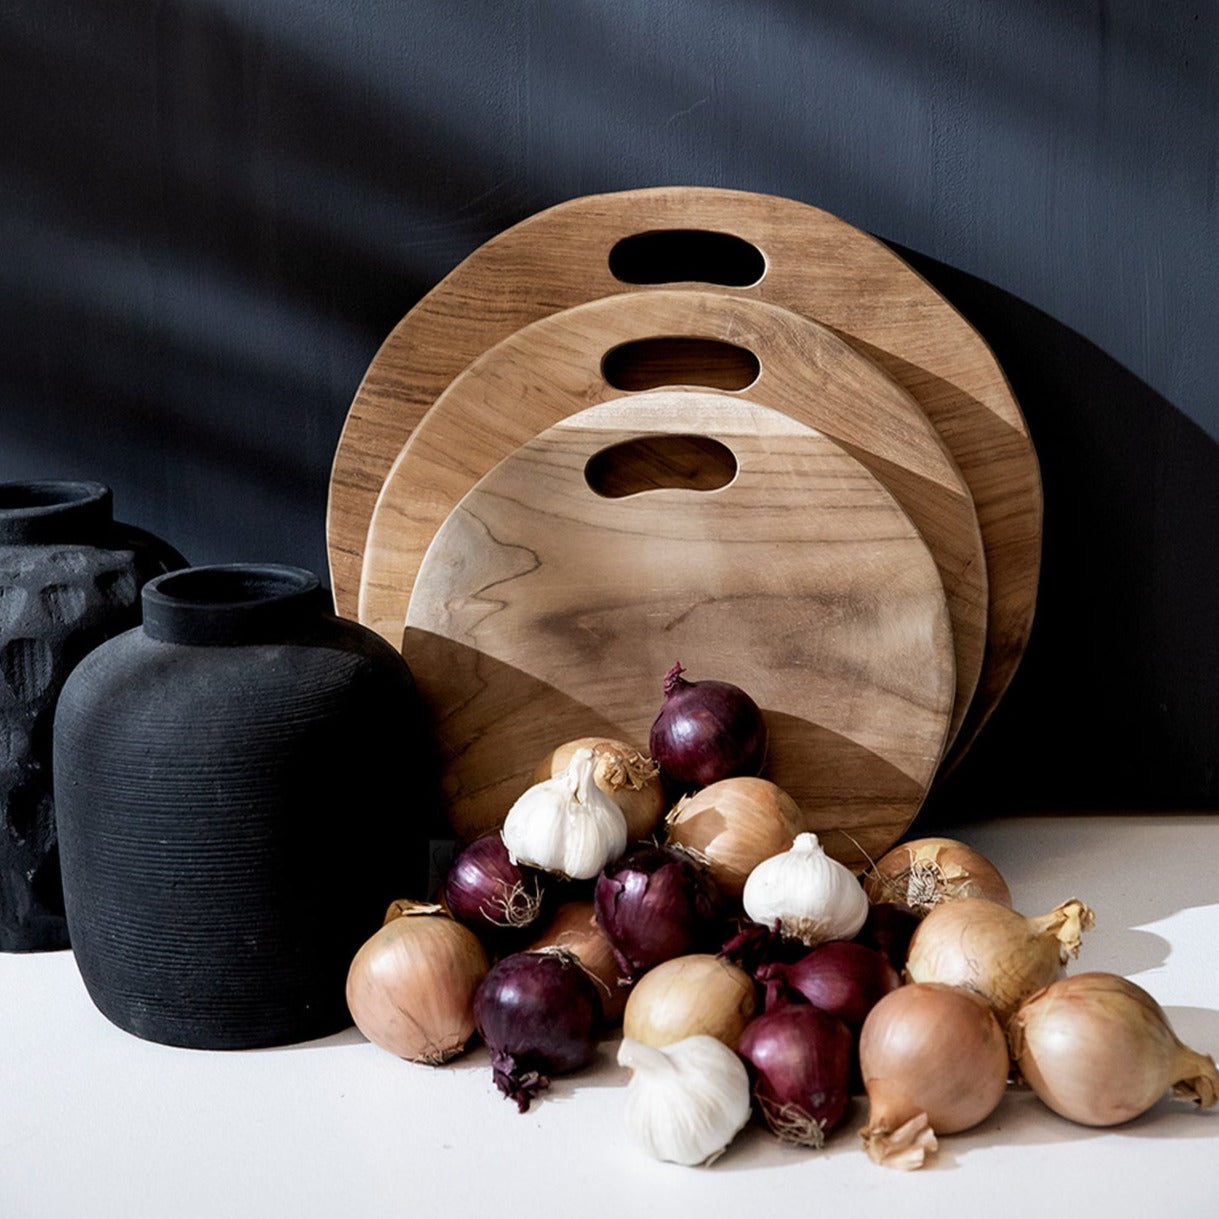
(556, 366)
(813, 263)
(546, 611)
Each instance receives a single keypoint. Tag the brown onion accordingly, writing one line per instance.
(630, 778)
(733, 825)
(927, 871)
(411, 985)
(687, 996)
(574, 927)
(1099, 1050)
(995, 951)
(934, 1061)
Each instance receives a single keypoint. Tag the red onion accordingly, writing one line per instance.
(656, 903)
(539, 1013)
(486, 890)
(799, 1062)
(706, 731)
(889, 928)
(840, 978)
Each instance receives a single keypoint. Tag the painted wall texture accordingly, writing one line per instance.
(212, 211)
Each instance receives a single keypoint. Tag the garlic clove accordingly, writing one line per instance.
(567, 824)
(686, 1101)
(811, 896)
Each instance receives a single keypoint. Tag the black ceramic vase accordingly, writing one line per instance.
(70, 578)
(242, 789)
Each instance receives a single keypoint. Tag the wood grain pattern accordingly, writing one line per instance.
(815, 264)
(544, 611)
(555, 366)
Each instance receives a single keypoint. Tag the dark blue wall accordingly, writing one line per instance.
(212, 211)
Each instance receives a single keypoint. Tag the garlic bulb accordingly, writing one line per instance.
(812, 897)
(686, 1101)
(566, 824)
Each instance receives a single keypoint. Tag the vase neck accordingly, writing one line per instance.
(54, 513)
(231, 604)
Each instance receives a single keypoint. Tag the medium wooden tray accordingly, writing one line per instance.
(545, 610)
(558, 365)
(799, 257)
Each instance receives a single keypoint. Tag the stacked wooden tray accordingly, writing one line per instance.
(695, 425)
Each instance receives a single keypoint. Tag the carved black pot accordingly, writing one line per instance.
(243, 787)
(70, 578)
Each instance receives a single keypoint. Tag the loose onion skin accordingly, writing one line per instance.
(687, 996)
(539, 1013)
(411, 985)
(927, 871)
(799, 1062)
(573, 927)
(630, 778)
(995, 951)
(733, 825)
(934, 1061)
(656, 903)
(1099, 1050)
(706, 731)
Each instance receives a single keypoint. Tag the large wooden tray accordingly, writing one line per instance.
(804, 259)
(560, 364)
(546, 610)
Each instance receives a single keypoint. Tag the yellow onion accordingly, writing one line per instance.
(927, 871)
(410, 988)
(630, 778)
(1099, 1050)
(995, 951)
(733, 825)
(688, 996)
(574, 926)
(934, 1061)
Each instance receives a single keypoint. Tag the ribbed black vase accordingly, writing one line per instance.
(70, 578)
(243, 786)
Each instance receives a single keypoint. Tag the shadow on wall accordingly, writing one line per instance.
(1114, 706)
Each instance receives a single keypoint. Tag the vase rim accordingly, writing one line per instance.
(51, 511)
(229, 603)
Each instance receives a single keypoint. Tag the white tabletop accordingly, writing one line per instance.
(95, 1123)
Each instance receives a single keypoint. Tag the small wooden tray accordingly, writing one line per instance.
(545, 610)
(558, 365)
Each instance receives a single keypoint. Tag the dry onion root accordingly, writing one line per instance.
(630, 778)
(934, 1061)
(986, 947)
(1099, 1050)
(927, 871)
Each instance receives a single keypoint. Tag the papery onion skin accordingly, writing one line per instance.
(411, 985)
(488, 892)
(995, 951)
(539, 1013)
(841, 978)
(733, 825)
(799, 1061)
(706, 731)
(934, 1061)
(1099, 1050)
(656, 903)
(573, 927)
(628, 776)
(924, 872)
(687, 996)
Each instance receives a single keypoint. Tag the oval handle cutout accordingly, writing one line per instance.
(649, 363)
(652, 463)
(674, 256)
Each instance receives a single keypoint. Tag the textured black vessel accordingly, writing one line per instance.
(242, 788)
(70, 578)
